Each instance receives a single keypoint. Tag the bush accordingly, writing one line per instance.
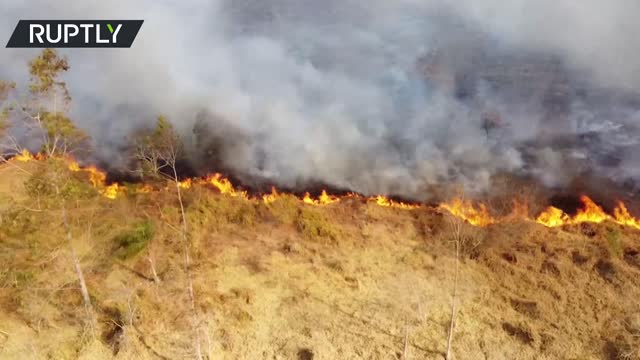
(315, 226)
(42, 184)
(221, 210)
(285, 208)
(133, 241)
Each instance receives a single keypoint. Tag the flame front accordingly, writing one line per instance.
(478, 216)
(323, 199)
(24, 156)
(623, 217)
(224, 186)
(590, 212)
(269, 198)
(553, 217)
(386, 202)
(475, 214)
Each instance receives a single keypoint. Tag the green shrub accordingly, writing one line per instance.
(314, 225)
(131, 242)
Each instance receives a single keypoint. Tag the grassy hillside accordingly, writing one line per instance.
(289, 280)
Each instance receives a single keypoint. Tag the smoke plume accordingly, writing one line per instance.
(378, 96)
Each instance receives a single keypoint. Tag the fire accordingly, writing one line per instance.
(323, 199)
(73, 165)
(590, 212)
(224, 186)
(269, 198)
(386, 202)
(478, 216)
(185, 184)
(96, 176)
(475, 214)
(553, 217)
(623, 217)
(24, 156)
(111, 191)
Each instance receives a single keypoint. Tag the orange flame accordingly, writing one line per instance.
(97, 177)
(623, 216)
(269, 198)
(323, 199)
(477, 214)
(224, 186)
(553, 217)
(24, 156)
(590, 212)
(185, 184)
(111, 191)
(73, 165)
(386, 202)
(466, 210)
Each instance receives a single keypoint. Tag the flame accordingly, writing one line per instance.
(269, 198)
(478, 216)
(386, 202)
(552, 217)
(475, 214)
(24, 156)
(185, 184)
(73, 165)
(225, 186)
(590, 212)
(111, 191)
(96, 176)
(622, 216)
(323, 199)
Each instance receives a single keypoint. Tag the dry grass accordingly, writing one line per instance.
(289, 280)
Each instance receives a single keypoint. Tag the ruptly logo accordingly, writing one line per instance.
(74, 33)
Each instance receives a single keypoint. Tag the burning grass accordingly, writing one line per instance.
(475, 213)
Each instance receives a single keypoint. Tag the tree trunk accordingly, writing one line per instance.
(187, 265)
(453, 298)
(78, 269)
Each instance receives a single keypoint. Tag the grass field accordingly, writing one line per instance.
(289, 280)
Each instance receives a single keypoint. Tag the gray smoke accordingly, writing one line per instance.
(374, 96)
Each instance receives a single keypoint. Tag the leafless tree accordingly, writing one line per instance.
(457, 232)
(158, 153)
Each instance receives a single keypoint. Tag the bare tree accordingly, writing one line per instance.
(158, 152)
(58, 177)
(457, 232)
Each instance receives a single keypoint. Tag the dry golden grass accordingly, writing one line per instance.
(294, 281)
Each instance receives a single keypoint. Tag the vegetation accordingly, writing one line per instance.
(314, 225)
(282, 279)
(131, 242)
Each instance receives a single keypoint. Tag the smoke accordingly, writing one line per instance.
(373, 96)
